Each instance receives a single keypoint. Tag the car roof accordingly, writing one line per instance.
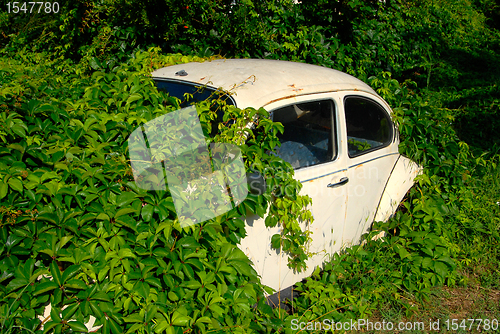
(259, 82)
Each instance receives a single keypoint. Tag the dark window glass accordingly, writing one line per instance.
(308, 137)
(368, 125)
(200, 93)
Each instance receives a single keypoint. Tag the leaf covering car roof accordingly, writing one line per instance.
(258, 82)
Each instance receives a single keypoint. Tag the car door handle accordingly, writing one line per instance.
(342, 181)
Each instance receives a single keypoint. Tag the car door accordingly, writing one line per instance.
(372, 152)
(311, 144)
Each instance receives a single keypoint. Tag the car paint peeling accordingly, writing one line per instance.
(280, 99)
(295, 89)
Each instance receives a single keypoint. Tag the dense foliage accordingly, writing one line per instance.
(75, 232)
(72, 211)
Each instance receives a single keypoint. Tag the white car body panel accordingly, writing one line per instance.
(401, 180)
(327, 239)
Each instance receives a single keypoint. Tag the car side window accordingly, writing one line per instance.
(368, 125)
(307, 139)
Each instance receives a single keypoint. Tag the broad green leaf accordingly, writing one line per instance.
(44, 287)
(206, 320)
(441, 268)
(102, 216)
(168, 203)
(3, 189)
(105, 329)
(56, 273)
(195, 263)
(142, 289)
(54, 314)
(76, 284)
(179, 319)
(192, 284)
(126, 265)
(15, 184)
(77, 326)
(123, 211)
(217, 309)
(115, 328)
(147, 212)
(101, 296)
(125, 198)
(103, 273)
(66, 238)
(426, 262)
(154, 282)
(237, 254)
(134, 317)
(243, 268)
(5, 275)
(188, 242)
(17, 283)
(19, 130)
(68, 312)
(173, 296)
(276, 241)
(403, 253)
(188, 271)
(134, 97)
(162, 326)
(151, 313)
(135, 328)
(97, 312)
(49, 326)
(126, 252)
(447, 260)
(49, 176)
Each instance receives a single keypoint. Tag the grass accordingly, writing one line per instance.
(473, 301)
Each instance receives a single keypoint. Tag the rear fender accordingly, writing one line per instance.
(400, 181)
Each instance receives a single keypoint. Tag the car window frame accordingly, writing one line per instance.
(334, 131)
(387, 114)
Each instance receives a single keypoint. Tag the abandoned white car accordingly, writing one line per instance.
(338, 136)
